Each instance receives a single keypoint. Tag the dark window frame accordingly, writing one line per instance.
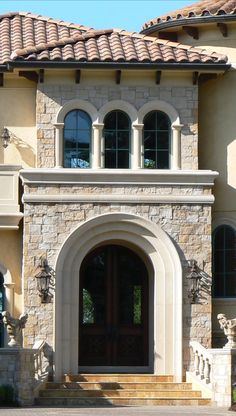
(117, 150)
(157, 150)
(223, 258)
(78, 162)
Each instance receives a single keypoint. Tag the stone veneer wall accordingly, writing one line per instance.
(51, 98)
(47, 225)
(18, 371)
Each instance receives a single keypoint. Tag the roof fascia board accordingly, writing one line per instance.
(187, 21)
(119, 65)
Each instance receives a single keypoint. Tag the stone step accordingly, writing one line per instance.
(114, 401)
(117, 378)
(149, 394)
(108, 385)
(119, 390)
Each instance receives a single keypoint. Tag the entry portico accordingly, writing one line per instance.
(165, 289)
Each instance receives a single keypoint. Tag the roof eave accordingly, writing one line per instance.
(186, 21)
(216, 66)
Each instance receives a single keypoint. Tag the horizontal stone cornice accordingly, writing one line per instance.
(120, 198)
(44, 177)
(10, 168)
(10, 221)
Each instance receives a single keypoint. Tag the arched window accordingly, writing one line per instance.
(77, 138)
(2, 296)
(224, 261)
(156, 140)
(117, 140)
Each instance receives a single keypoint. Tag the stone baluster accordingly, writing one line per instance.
(201, 366)
(207, 370)
(196, 363)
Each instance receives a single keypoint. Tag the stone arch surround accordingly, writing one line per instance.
(163, 259)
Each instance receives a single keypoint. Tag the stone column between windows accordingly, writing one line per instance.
(9, 297)
(136, 146)
(59, 145)
(176, 146)
(97, 145)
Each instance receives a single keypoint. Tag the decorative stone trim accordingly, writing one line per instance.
(97, 141)
(137, 147)
(176, 146)
(159, 105)
(118, 105)
(117, 176)
(165, 273)
(10, 214)
(97, 145)
(129, 199)
(76, 104)
(59, 145)
(10, 221)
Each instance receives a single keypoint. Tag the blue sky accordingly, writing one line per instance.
(126, 14)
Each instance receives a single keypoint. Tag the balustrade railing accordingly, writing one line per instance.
(39, 360)
(202, 362)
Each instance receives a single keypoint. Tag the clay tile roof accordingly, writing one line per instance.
(203, 8)
(27, 37)
(20, 30)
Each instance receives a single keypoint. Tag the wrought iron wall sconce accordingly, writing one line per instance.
(45, 281)
(195, 277)
(5, 137)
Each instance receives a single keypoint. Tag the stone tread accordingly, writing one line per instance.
(119, 390)
(107, 385)
(135, 401)
(118, 378)
(120, 393)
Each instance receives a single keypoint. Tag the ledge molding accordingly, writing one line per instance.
(57, 176)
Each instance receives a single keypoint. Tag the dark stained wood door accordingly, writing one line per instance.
(113, 308)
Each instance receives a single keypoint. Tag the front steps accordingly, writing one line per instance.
(119, 390)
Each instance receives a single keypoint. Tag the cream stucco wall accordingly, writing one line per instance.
(217, 141)
(17, 113)
(217, 135)
(11, 267)
(17, 110)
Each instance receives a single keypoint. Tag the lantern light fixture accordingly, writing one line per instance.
(5, 137)
(195, 277)
(45, 282)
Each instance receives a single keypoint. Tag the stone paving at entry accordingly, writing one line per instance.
(117, 411)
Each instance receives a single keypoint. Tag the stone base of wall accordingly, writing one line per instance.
(223, 376)
(17, 370)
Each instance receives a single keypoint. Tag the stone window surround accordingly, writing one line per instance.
(136, 117)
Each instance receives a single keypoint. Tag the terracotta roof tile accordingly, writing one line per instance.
(20, 30)
(116, 46)
(199, 9)
(27, 37)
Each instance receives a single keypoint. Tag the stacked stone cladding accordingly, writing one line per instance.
(18, 371)
(50, 98)
(47, 226)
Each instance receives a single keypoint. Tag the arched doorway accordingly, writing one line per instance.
(113, 323)
(162, 260)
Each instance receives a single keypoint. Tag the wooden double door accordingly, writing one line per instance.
(113, 308)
